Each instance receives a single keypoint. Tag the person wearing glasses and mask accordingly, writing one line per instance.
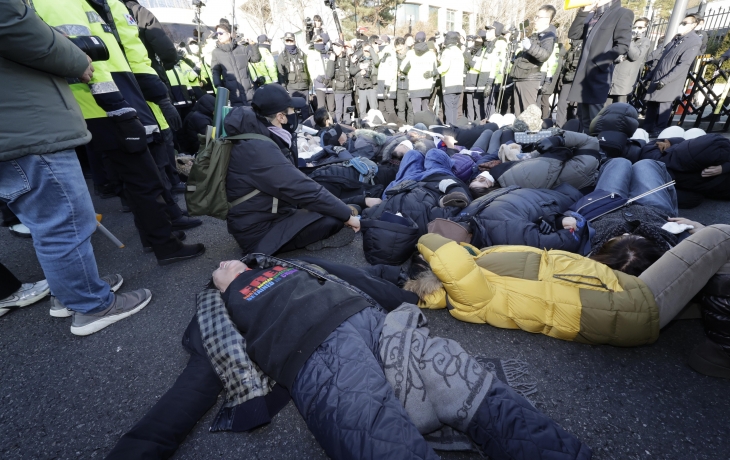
(230, 66)
(628, 66)
(605, 28)
(536, 49)
(275, 207)
(666, 79)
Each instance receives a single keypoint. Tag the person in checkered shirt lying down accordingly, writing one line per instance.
(351, 350)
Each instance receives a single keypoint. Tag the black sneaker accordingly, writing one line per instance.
(188, 251)
(179, 234)
(339, 239)
(184, 223)
(710, 359)
(124, 305)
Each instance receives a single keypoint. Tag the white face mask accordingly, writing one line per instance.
(194, 50)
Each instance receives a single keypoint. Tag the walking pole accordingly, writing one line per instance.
(107, 233)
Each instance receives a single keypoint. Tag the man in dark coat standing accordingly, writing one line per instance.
(230, 66)
(666, 80)
(279, 208)
(628, 66)
(536, 49)
(605, 28)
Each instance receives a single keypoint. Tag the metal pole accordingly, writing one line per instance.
(680, 8)
(395, 20)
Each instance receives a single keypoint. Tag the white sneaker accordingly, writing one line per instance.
(20, 230)
(29, 293)
(59, 310)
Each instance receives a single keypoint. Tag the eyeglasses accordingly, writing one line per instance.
(683, 23)
(221, 33)
(541, 17)
(640, 27)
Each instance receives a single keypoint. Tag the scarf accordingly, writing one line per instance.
(292, 49)
(283, 134)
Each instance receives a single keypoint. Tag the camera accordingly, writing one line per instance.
(350, 109)
(330, 4)
(93, 46)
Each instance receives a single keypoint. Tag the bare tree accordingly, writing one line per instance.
(258, 15)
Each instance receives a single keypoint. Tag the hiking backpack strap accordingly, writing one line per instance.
(248, 196)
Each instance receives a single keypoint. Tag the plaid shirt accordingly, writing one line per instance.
(226, 348)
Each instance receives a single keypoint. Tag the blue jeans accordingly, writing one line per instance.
(618, 175)
(48, 193)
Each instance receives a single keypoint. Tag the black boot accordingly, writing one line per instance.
(713, 357)
(185, 251)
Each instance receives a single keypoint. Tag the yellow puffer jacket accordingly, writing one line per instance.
(556, 293)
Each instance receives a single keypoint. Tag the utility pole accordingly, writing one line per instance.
(678, 13)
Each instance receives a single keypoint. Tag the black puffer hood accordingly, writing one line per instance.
(205, 105)
(242, 120)
(421, 48)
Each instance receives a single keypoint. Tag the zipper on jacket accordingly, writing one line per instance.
(600, 283)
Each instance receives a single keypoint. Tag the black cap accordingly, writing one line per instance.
(420, 37)
(263, 39)
(289, 36)
(273, 98)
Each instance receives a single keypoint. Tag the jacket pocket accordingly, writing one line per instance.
(65, 96)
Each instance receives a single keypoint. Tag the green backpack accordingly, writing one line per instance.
(206, 189)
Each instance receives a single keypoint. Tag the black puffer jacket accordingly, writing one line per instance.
(528, 62)
(344, 183)
(686, 160)
(230, 70)
(619, 117)
(195, 123)
(418, 202)
(258, 165)
(513, 216)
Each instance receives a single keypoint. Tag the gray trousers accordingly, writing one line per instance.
(365, 97)
(684, 270)
(564, 110)
(525, 94)
(403, 106)
(420, 104)
(451, 107)
(342, 102)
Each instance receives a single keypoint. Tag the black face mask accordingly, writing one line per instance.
(292, 49)
(292, 122)
(319, 47)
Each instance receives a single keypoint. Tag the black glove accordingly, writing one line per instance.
(171, 115)
(545, 227)
(131, 135)
(428, 74)
(549, 143)
(488, 87)
(401, 77)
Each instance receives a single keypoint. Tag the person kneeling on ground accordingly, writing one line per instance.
(339, 362)
(282, 209)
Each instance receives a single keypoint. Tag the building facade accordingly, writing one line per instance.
(446, 15)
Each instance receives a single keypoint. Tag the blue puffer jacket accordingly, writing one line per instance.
(513, 216)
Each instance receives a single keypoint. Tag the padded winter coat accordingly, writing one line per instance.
(512, 216)
(387, 73)
(452, 70)
(619, 117)
(626, 72)
(555, 293)
(196, 122)
(528, 62)
(257, 224)
(577, 165)
(230, 69)
(417, 62)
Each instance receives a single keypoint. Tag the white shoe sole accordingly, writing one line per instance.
(27, 301)
(65, 312)
(103, 322)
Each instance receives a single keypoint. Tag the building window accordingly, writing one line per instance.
(466, 22)
(408, 14)
(450, 20)
(433, 17)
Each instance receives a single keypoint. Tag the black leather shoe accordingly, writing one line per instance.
(187, 251)
(184, 223)
(179, 234)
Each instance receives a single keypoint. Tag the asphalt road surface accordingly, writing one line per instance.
(64, 397)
